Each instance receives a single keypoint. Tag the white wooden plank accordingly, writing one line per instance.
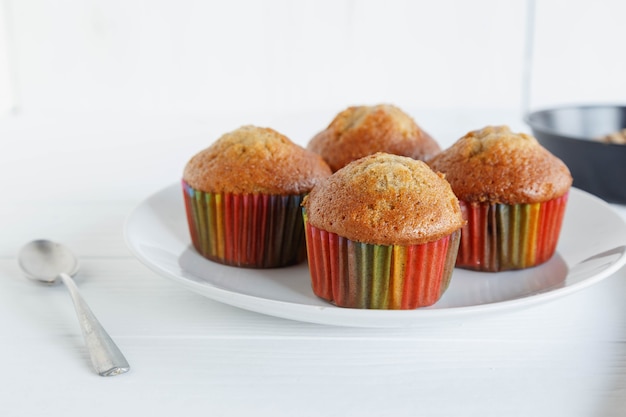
(189, 353)
(135, 302)
(232, 377)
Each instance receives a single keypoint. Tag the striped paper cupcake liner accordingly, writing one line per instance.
(360, 275)
(246, 230)
(499, 237)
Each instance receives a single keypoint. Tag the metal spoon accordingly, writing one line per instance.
(47, 261)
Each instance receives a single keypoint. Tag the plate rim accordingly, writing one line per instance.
(337, 316)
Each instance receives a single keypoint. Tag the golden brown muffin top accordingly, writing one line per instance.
(364, 130)
(253, 160)
(495, 165)
(385, 199)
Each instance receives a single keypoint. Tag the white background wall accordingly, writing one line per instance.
(278, 56)
(579, 52)
(239, 56)
(121, 81)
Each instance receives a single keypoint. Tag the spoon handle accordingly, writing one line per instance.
(106, 357)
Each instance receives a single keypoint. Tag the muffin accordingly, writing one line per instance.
(364, 130)
(382, 233)
(243, 194)
(513, 193)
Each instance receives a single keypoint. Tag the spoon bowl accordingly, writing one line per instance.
(49, 262)
(44, 260)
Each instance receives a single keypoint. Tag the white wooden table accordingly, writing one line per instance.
(75, 179)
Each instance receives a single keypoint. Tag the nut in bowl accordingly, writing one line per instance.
(587, 139)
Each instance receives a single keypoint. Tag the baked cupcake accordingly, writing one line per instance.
(243, 194)
(382, 233)
(513, 193)
(364, 130)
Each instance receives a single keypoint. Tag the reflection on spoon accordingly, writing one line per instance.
(47, 261)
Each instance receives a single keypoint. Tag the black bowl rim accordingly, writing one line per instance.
(528, 119)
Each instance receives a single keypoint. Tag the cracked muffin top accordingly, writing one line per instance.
(385, 199)
(252, 160)
(495, 165)
(364, 130)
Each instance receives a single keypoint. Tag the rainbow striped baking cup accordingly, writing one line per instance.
(393, 277)
(500, 237)
(246, 230)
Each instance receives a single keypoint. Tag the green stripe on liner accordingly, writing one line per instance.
(503, 223)
(525, 235)
(364, 273)
(210, 214)
(379, 298)
(200, 220)
(517, 235)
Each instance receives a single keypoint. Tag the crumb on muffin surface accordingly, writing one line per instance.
(359, 131)
(253, 160)
(495, 165)
(387, 200)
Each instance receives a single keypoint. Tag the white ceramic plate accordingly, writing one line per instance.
(592, 246)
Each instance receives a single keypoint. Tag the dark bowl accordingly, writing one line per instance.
(571, 134)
